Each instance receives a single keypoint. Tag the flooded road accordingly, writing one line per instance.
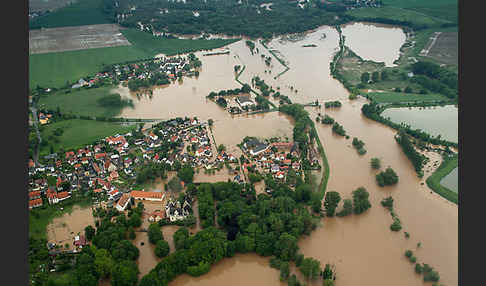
(435, 120)
(361, 246)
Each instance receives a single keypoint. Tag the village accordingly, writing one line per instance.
(108, 170)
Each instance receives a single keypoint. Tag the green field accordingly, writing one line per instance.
(78, 133)
(433, 181)
(154, 45)
(54, 69)
(85, 12)
(396, 13)
(80, 102)
(443, 9)
(397, 97)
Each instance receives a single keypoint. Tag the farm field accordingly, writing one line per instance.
(397, 97)
(72, 65)
(78, 133)
(445, 49)
(43, 5)
(443, 9)
(80, 102)
(75, 38)
(85, 12)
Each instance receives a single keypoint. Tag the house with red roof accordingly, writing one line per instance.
(123, 202)
(149, 196)
(34, 195)
(35, 203)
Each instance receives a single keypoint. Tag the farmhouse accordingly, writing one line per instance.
(244, 100)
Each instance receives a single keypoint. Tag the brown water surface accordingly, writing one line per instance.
(363, 248)
(63, 229)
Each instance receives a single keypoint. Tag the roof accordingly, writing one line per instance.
(244, 98)
(34, 194)
(142, 194)
(63, 195)
(36, 202)
(123, 200)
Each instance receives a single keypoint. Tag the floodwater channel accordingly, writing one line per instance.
(363, 248)
(435, 120)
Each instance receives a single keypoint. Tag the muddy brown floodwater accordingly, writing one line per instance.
(363, 248)
(63, 229)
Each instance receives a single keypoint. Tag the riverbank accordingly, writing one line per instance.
(448, 164)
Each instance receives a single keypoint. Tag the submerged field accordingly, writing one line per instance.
(80, 102)
(78, 133)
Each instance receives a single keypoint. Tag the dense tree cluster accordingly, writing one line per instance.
(330, 104)
(331, 201)
(360, 200)
(231, 18)
(418, 160)
(338, 129)
(388, 177)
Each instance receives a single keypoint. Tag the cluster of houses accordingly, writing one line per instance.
(276, 158)
(104, 168)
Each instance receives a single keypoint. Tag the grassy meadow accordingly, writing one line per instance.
(54, 69)
(80, 102)
(397, 97)
(433, 181)
(78, 133)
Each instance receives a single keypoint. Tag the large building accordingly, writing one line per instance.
(244, 100)
(149, 196)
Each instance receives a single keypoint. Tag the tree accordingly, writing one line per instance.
(89, 232)
(103, 262)
(135, 220)
(408, 89)
(388, 177)
(125, 274)
(284, 270)
(221, 148)
(210, 122)
(375, 76)
(384, 75)
(330, 203)
(286, 247)
(365, 77)
(175, 184)
(186, 174)
(181, 237)
(360, 200)
(154, 233)
(311, 268)
(375, 163)
(162, 248)
(347, 208)
(418, 268)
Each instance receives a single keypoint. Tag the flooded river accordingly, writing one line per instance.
(363, 248)
(435, 120)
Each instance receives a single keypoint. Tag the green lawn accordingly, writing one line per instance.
(397, 97)
(85, 12)
(80, 102)
(54, 69)
(433, 181)
(78, 133)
